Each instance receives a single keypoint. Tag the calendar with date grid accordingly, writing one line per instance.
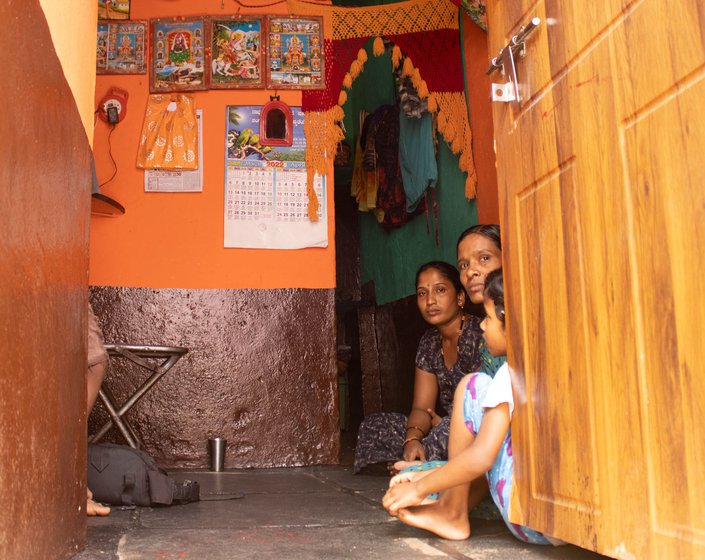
(266, 198)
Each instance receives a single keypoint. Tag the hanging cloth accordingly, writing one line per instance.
(391, 200)
(417, 157)
(169, 136)
(364, 183)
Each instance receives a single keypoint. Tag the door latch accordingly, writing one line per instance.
(506, 61)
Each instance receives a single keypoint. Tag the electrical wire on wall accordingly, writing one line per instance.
(112, 159)
(101, 204)
(112, 110)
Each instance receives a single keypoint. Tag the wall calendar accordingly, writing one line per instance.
(266, 205)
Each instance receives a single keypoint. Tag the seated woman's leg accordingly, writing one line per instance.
(379, 439)
(435, 444)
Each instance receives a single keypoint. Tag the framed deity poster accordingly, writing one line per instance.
(113, 9)
(237, 52)
(121, 47)
(296, 58)
(179, 55)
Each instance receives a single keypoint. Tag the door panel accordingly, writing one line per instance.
(667, 200)
(568, 485)
(602, 210)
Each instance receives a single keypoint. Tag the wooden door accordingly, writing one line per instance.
(601, 172)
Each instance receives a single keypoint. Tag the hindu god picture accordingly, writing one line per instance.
(178, 50)
(295, 53)
(121, 47)
(236, 47)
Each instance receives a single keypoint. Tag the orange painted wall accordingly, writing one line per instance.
(175, 240)
(476, 62)
(72, 24)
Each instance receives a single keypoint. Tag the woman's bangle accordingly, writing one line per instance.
(423, 434)
(410, 439)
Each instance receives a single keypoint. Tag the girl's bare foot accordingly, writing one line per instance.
(438, 519)
(94, 508)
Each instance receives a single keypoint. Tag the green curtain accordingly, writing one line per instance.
(391, 259)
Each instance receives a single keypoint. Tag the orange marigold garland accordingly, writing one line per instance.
(323, 134)
(378, 46)
(407, 68)
(418, 29)
(347, 80)
(432, 105)
(396, 56)
(355, 68)
(454, 126)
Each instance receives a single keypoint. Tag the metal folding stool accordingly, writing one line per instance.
(138, 355)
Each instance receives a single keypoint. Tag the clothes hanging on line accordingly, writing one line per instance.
(364, 183)
(417, 157)
(380, 138)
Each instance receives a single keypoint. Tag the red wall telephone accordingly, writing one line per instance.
(113, 107)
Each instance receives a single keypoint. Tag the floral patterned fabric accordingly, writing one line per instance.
(501, 476)
(381, 436)
(429, 357)
(169, 136)
(490, 363)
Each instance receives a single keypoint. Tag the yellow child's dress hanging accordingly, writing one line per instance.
(169, 136)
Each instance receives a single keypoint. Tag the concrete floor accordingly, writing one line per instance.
(298, 513)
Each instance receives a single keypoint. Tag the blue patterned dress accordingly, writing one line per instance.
(501, 476)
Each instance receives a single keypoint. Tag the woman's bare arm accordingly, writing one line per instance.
(419, 423)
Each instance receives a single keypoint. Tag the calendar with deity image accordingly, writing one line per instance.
(266, 199)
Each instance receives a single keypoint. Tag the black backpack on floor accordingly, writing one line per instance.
(123, 476)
